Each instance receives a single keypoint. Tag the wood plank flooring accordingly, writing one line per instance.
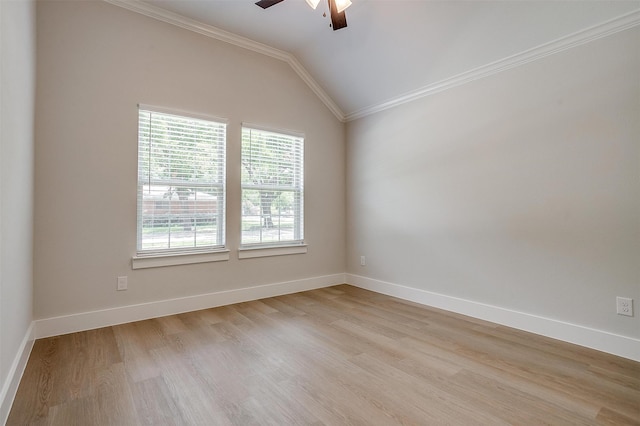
(333, 356)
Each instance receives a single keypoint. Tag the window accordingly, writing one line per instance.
(181, 183)
(272, 188)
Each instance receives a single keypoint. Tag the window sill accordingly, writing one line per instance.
(264, 251)
(156, 261)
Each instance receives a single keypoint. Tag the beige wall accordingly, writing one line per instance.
(520, 190)
(17, 97)
(96, 62)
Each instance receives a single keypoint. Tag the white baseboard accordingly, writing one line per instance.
(107, 317)
(623, 346)
(10, 386)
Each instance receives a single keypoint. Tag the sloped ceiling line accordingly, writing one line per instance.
(587, 35)
(218, 34)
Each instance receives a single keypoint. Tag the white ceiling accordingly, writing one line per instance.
(392, 48)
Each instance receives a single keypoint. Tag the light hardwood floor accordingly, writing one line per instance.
(334, 356)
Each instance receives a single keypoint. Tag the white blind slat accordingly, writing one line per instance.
(272, 187)
(181, 181)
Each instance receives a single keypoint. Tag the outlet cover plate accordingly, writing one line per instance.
(122, 283)
(624, 306)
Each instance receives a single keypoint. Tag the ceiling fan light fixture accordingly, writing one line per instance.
(341, 5)
(313, 3)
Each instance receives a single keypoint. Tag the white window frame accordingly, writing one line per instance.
(282, 247)
(147, 258)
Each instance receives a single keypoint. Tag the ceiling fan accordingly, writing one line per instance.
(336, 8)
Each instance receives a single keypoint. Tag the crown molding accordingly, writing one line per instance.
(160, 14)
(578, 38)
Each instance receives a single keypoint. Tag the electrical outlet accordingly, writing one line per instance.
(122, 283)
(624, 306)
(363, 261)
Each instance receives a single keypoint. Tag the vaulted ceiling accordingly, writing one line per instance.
(393, 50)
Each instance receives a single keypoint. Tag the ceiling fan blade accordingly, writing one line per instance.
(267, 3)
(338, 20)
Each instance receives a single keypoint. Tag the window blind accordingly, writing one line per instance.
(181, 183)
(272, 188)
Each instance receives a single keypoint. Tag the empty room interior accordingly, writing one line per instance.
(296, 212)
